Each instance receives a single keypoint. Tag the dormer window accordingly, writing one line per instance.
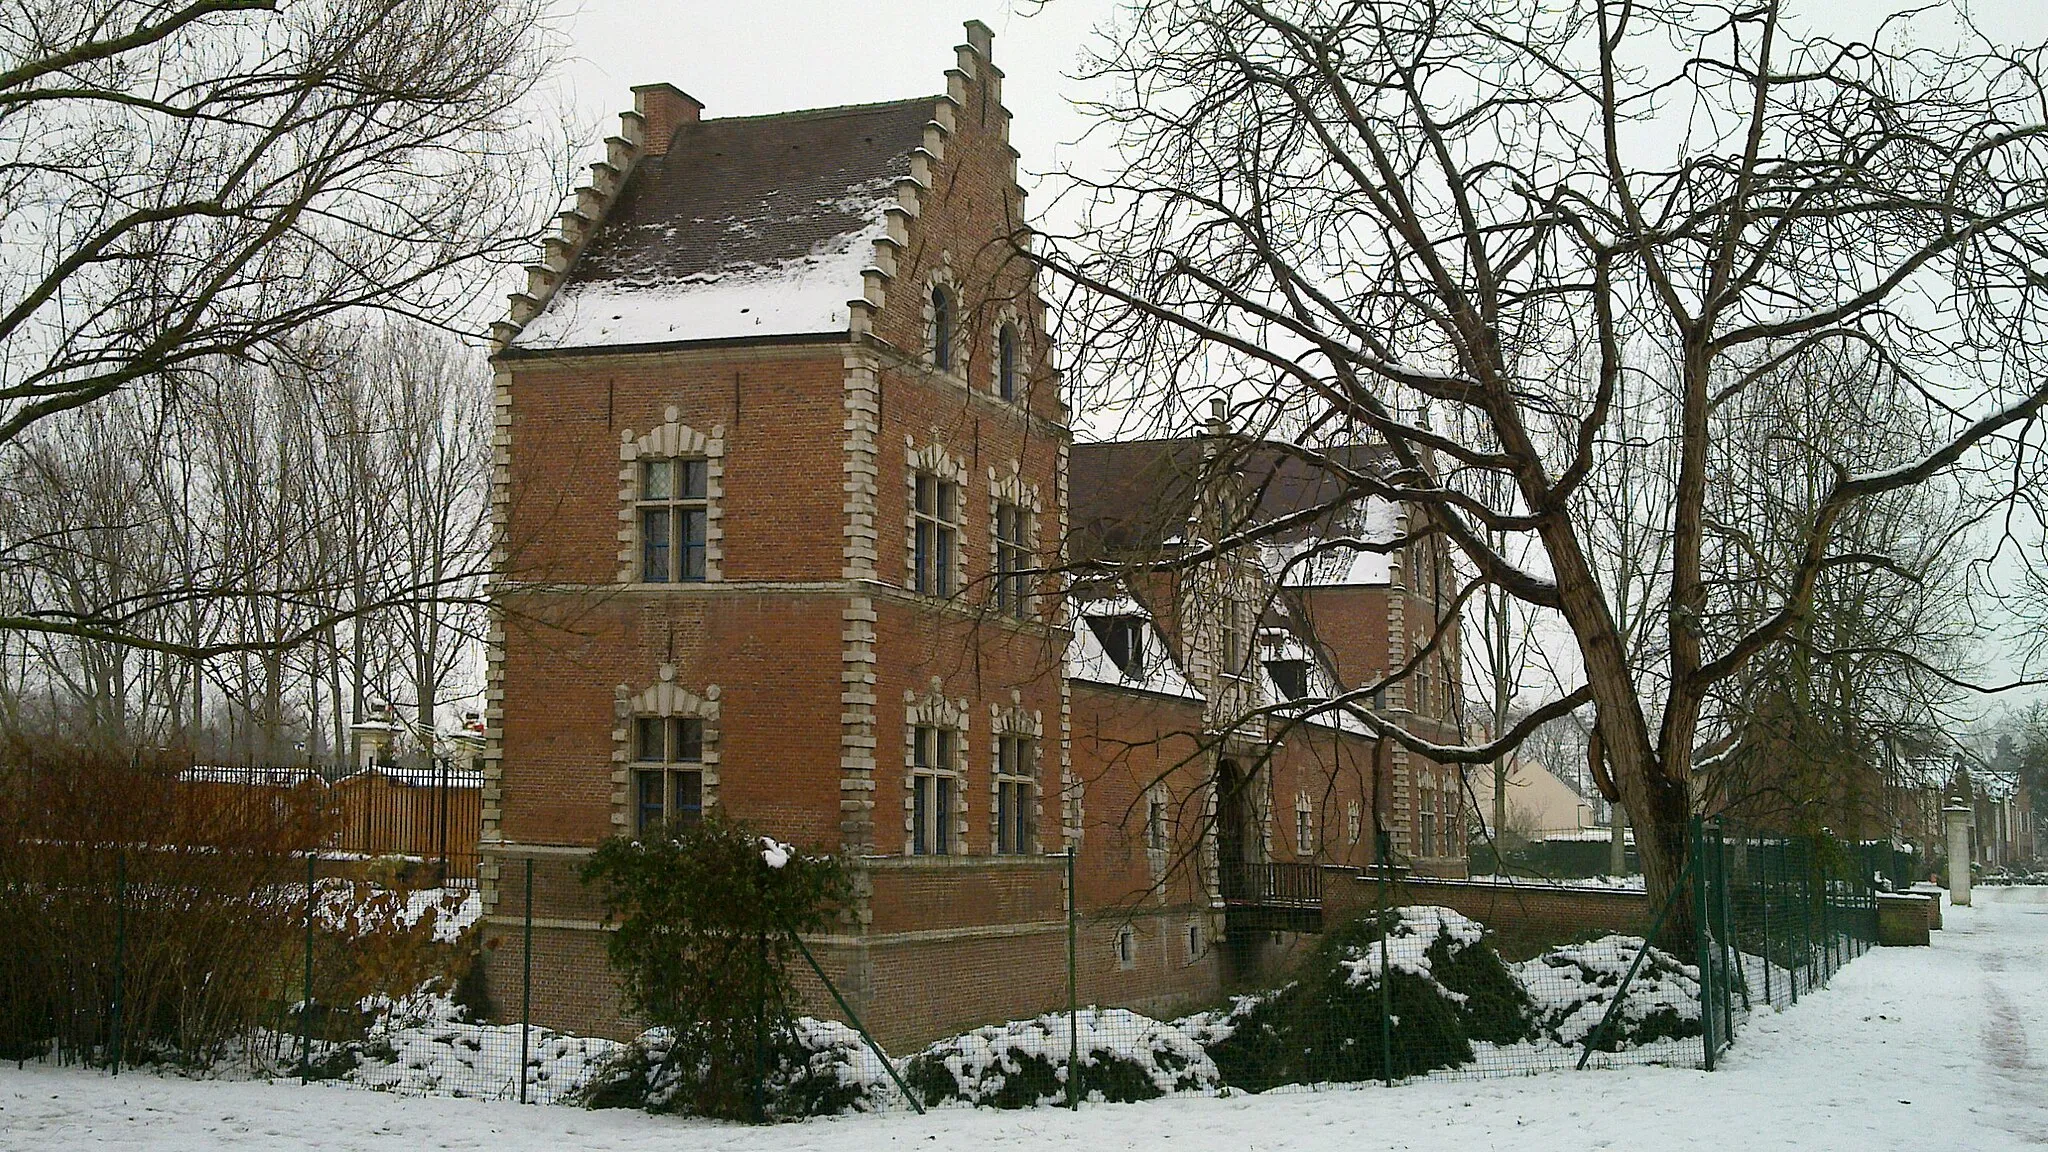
(1006, 362)
(942, 328)
(1123, 638)
(1290, 677)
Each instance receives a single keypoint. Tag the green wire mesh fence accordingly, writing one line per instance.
(1353, 977)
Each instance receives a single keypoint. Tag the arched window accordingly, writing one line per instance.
(942, 328)
(1006, 362)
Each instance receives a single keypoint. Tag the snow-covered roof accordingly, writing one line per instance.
(1089, 661)
(1277, 644)
(748, 226)
(1329, 560)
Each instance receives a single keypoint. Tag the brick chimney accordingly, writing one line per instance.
(664, 107)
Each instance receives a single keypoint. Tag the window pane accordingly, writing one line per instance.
(688, 745)
(690, 531)
(647, 738)
(1021, 838)
(1004, 799)
(949, 502)
(654, 548)
(923, 544)
(945, 749)
(648, 807)
(927, 495)
(656, 480)
(942, 328)
(1006, 362)
(695, 473)
(942, 563)
(921, 748)
(921, 815)
(942, 816)
(689, 799)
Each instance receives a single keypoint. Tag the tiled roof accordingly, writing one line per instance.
(745, 226)
(1134, 496)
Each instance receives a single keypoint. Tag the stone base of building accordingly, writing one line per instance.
(908, 988)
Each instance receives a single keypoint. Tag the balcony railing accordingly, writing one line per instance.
(1272, 885)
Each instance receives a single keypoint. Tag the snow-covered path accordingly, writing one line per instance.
(1942, 1047)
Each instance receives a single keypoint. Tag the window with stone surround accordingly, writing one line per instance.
(665, 754)
(1007, 368)
(944, 317)
(1233, 626)
(935, 760)
(935, 538)
(674, 514)
(1425, 820)
(934, 790)
(1013, 541)
(1354, 822)
(942, 309)
(670, 487)
(934, 560)
(1012, 580)
(1304, 825)
(668, 772)
(1155, 823)
(1014, 793)
(1016, 799)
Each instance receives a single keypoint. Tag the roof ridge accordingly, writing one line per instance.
(832, 110)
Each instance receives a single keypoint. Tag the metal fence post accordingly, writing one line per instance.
(1763, 905)
(1730, 954)
(120, 952)
(306, 997)
(1386, 992)
(526, 986)
(1703, 939)
(1073, 987)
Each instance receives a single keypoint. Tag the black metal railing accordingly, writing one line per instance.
(1272, 885)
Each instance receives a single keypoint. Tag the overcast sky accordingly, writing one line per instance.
(745, 57)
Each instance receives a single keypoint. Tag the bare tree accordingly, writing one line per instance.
(1529, 211)
(326, 515)
(205, 180)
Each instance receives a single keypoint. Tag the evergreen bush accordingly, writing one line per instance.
(705, 917)
(1445, 987)
(1573, 986)
(1023, 1064)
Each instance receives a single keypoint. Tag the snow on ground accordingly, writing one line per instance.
(1911, 1048)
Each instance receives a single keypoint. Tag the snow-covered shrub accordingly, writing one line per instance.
(706, 920)
(1445, 987)
(1572, 987)
(811, 1067)
(427, 1045)
(1124, 1057)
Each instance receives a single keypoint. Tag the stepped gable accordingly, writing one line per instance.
(742, 227)
(1133, 497)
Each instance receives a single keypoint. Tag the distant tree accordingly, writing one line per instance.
(195, 183)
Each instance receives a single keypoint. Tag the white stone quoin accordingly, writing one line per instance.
(1958, 818)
